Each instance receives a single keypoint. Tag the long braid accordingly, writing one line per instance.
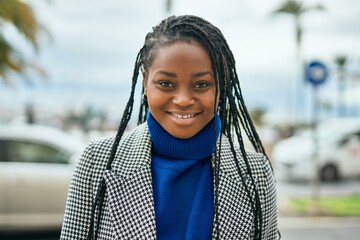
(231, 107)
(236, 103)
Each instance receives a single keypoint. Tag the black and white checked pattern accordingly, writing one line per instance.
(235, 213)
(128, 205)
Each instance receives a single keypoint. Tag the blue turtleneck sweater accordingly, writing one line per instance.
(183, 182)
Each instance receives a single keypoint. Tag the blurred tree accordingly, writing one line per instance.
(21, 16)
(88, 118)
(340, 61)
(30, 113)
(296, 9)
(168, 6)
(326, 105)
(257, 115)
(85, 117)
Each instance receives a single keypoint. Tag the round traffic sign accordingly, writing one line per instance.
(316, 73)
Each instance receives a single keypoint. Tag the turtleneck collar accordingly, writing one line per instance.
(197, 147)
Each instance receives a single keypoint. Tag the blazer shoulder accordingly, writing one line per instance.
(102, 146)
(133, 152)
(96, 155)
(259, 164)
(256, 161)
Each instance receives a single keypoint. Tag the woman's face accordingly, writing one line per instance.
(180, 88)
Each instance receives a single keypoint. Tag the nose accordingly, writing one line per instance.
(184, 98)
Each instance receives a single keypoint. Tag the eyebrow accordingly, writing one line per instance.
(195, 75)
(200, 74)
(169, 74)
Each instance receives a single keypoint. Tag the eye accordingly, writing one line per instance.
(166, 84)
(201, 85)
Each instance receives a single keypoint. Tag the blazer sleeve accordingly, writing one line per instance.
(269, 203)
(79, 201)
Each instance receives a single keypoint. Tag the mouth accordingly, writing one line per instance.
(183, 116)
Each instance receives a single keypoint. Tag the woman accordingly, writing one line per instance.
(178, 174)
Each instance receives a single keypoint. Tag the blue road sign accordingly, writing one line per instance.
(316, 73)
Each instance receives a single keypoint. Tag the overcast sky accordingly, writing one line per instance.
(95, 44)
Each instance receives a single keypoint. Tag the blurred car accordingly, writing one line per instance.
(36, 165)
(338, 153)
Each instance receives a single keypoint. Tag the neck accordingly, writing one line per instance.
(199, 146)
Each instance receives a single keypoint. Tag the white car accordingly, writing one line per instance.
(338, 152)
(36, 165)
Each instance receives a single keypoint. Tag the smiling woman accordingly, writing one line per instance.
(178, 175)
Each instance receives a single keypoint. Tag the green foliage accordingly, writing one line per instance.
(330, 205)
(291, 7)
(22, 17)
(340, 61)
(257, 115)
(296, 8)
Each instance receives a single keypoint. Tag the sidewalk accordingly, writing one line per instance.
(319, 228)
(318, 222)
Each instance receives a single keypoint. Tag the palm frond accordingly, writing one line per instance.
(340, 60)
(12, 61)
(22, 17)
(296, 8)
(290, 7)
(9, 57)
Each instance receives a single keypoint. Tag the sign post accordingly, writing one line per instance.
(316, 74)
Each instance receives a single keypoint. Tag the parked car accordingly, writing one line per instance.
(36, 165)
(338, 152)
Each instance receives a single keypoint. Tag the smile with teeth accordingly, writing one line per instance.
(183, 116)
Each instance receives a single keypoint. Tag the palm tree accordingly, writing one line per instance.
(21, 16)
(168, 6)
(297, 9)
(340, 61)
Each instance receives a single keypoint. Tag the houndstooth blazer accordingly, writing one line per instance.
(128, 211)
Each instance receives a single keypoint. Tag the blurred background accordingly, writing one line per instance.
(66, 67)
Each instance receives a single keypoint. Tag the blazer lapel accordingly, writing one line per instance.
(234, 207)
(129, 188)
(131, 206)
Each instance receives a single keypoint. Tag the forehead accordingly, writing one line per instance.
(180, 52)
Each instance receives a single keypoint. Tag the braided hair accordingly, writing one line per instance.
(230, 107)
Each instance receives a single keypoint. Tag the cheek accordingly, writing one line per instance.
(208, 106)
(155, 99)
(210, 100)
(210, 103)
